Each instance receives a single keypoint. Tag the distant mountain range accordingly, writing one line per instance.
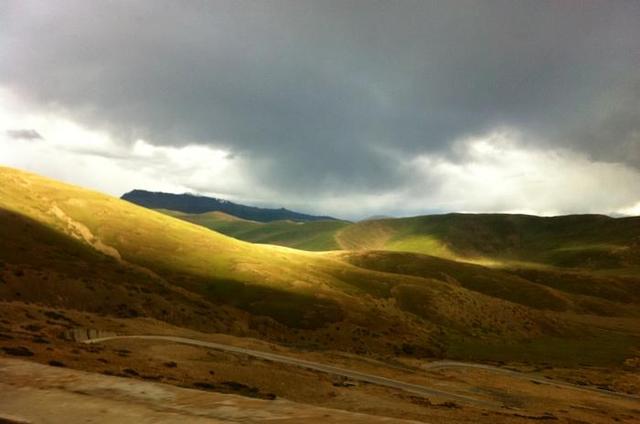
(190, 203)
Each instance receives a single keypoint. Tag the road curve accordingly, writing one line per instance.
(329, 369)
(375, 379)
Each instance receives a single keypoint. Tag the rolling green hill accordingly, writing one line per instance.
(573, 241)
(594, 242)
(64, 246)
(312, 236)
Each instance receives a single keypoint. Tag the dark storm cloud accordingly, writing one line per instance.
(24, 134)
(334, 95)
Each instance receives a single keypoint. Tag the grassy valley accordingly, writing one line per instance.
(63, 239)
(304, 235)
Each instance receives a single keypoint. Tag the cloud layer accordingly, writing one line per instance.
(342, 105)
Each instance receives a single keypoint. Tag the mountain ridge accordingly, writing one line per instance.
(191, 203)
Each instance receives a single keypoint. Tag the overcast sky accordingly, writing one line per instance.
(350, 108)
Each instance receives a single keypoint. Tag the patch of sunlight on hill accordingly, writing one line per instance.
(427, 245)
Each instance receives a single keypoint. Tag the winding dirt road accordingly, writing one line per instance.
(329, 369)
(370, 378)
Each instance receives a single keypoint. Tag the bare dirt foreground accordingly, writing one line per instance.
(34, 393)
(156, 379)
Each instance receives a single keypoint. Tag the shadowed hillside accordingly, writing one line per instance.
(69, 247)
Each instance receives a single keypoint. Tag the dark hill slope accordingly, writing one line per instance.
(190, 203)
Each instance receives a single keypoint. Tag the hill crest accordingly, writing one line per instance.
(196, 204)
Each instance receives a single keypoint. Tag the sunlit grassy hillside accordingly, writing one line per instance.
(74, 248)
(312, 235)
(574, 241)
